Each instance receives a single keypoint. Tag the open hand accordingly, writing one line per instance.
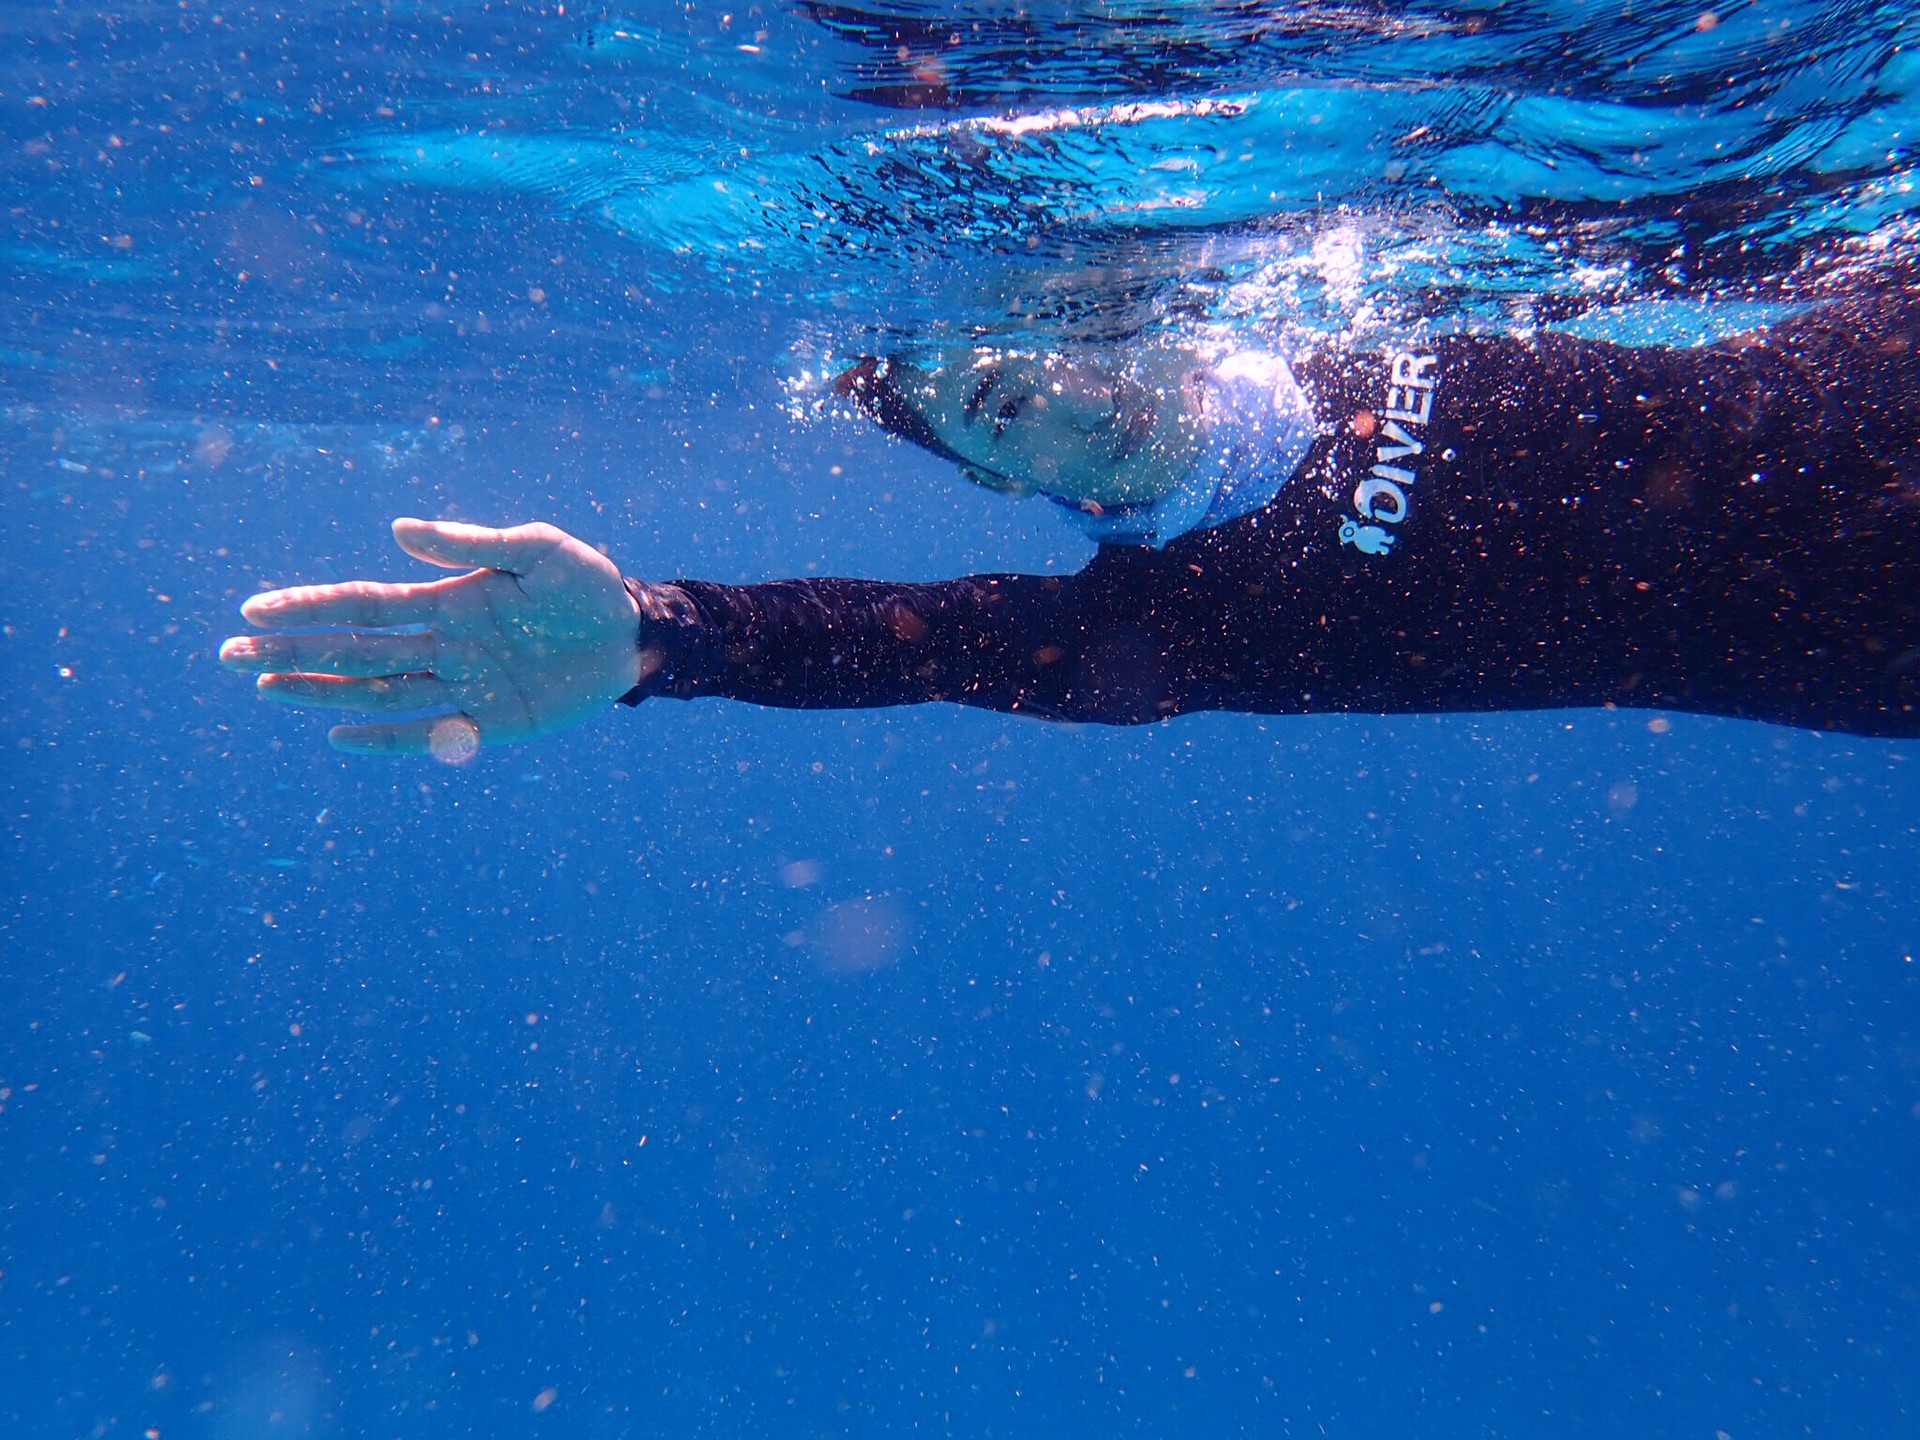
(538, 638)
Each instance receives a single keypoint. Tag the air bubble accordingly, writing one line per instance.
(454, 740)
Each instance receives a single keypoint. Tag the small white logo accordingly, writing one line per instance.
(1368, 539)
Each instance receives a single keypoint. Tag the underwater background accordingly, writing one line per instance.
(715, 1071)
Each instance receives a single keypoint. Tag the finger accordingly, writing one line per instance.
(445, 542)
(452, 738)
(355, 602)
(340, 654)
(387, 695)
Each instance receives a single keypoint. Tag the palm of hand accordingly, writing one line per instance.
(538, 638)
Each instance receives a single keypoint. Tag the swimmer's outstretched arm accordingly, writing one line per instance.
(545, 633)
(537, 636)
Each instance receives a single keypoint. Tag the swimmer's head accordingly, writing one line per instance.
(1090, 431)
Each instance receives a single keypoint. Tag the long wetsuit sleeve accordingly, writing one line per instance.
(1485, 524)
(987, 640)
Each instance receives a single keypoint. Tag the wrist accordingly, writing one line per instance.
(661, 614)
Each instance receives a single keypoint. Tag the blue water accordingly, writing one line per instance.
(713, 1071)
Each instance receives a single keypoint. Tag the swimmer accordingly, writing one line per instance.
(1461, 524)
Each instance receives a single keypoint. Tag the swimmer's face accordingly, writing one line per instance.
(1108, 434)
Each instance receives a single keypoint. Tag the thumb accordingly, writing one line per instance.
(457, 546)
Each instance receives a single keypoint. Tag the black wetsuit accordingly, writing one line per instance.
(1732, 530)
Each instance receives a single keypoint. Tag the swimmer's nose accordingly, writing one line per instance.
(1085, 387)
